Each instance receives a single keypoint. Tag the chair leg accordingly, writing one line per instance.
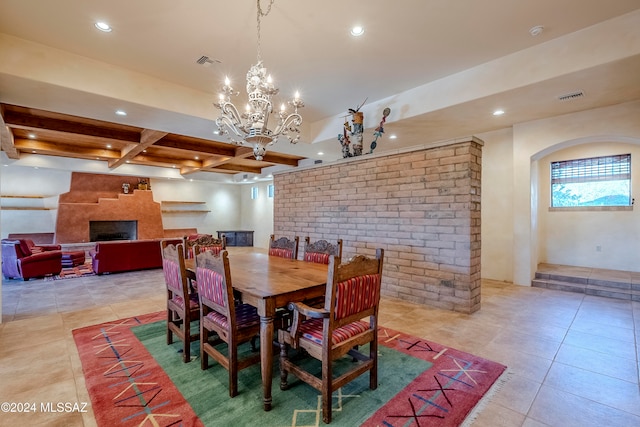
(204, 339)
(284, 358)
(373, 373)
(169, 321)
(186, 352)
(327, 391)
(233, 369)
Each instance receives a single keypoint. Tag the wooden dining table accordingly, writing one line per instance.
(268, 283)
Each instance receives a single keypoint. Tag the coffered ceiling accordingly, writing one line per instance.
(442, 66)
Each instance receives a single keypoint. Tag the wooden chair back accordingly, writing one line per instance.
(215, 289)
(321, 251)
(233, 323)
(284, 247)
(206, 242)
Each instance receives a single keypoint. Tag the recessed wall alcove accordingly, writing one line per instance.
(96, 197)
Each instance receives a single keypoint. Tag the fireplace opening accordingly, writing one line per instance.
(112, 230)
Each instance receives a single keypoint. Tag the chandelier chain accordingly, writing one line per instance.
(261, 14)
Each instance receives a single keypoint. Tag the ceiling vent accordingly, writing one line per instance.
(571, 96)
(206, 61)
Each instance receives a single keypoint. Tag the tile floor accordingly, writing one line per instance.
(572, 358)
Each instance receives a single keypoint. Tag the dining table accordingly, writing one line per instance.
(268, 283)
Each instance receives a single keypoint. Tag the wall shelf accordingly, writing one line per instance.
(25, 208)
(20, 207)
(172, 204)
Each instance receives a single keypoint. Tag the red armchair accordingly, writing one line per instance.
(24, 260)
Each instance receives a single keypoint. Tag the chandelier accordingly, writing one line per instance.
(252, 126)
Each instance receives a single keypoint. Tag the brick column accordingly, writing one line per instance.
(421, 206)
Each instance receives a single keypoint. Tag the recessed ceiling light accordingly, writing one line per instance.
(394, 136)
(33, 151)
(32, 135)
(215, 132)
(357, 31)
(121, 112)
(197, 157)
(498, 112)
(108, 145)
(320, 153)
(173, 166)
(103, 26)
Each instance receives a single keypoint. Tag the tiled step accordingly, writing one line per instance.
(599, 287)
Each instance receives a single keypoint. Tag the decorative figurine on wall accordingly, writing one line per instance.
(352, 132)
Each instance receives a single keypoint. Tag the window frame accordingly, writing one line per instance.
(591, 170)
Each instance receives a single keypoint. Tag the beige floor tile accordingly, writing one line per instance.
(498, 416)
(559, 408)
(613, 392)
(88, 317)
(517, 393)
(617, 367)
(607, 346)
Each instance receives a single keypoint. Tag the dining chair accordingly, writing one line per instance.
(320, 251)
(206, 242)
(234, 324)
(337, 329)
(284, 247)
(182, 306)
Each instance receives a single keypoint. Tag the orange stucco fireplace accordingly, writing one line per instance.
(94, 197)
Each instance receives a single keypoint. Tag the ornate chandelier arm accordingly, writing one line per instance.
(231, 119)
(291, 123)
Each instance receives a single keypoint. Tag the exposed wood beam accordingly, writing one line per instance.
(221, 149)
(214, 162)
(24, 121)
(64, 150)
(273, 157)
(147, 137)
(7, 144)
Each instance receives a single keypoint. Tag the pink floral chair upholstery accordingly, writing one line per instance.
(321, 251)
(353, 293)
(283, 247)
(231, 323)
(182, 306)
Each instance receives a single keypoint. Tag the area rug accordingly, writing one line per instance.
(73, 272)
(135, 379)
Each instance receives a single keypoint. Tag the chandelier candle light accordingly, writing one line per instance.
(252, 125)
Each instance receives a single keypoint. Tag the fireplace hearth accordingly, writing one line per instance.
(100, 231)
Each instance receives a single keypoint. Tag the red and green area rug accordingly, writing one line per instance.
(135, 379)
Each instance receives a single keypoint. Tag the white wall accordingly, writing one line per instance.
(497, 205)
(222, 200)
(574, 237)
(19, 180)
(535, 140)
(257, 215)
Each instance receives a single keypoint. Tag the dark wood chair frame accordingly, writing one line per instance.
(285, 243)
(326, 352)
(179, 318)
(232, 336)
(204, 241)
(323, 247)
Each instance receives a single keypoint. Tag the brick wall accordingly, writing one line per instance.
(422, 207)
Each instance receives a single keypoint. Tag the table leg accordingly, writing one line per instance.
(266, 358)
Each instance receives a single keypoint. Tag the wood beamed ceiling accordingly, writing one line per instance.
(28, 130)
